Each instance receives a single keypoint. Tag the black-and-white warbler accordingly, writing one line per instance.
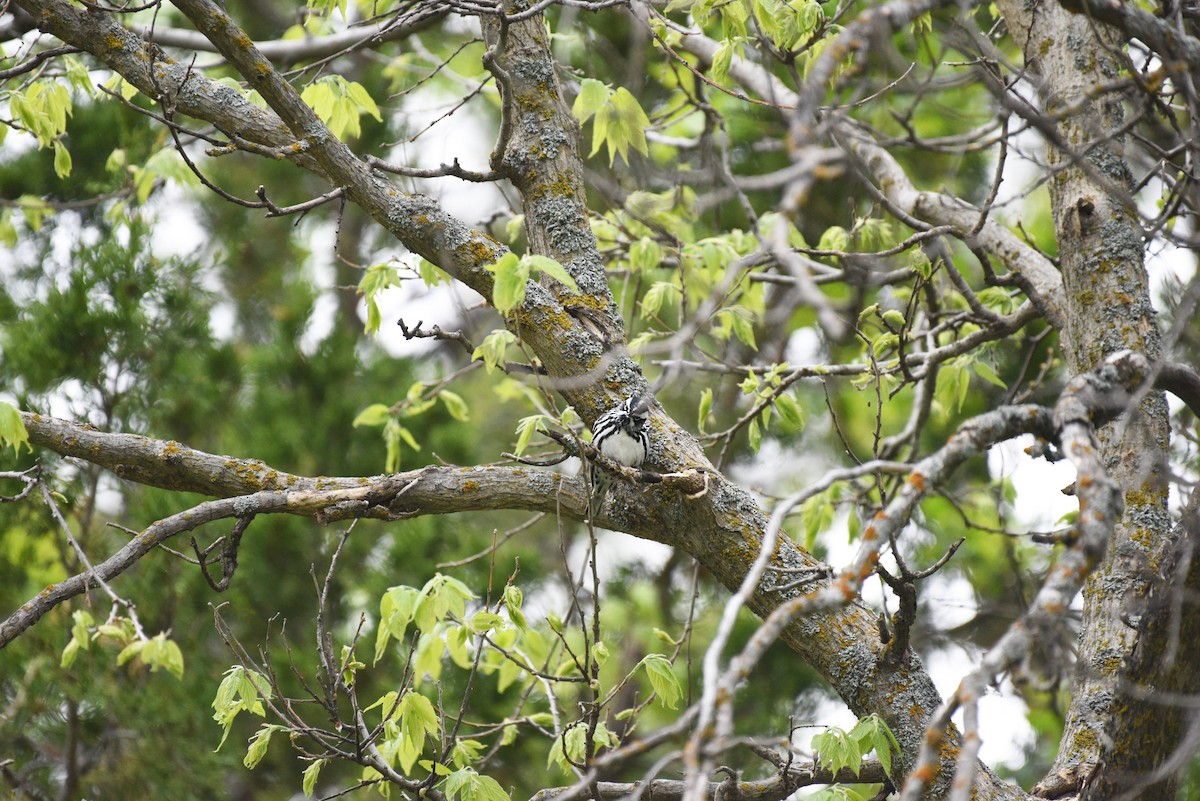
(619, 434)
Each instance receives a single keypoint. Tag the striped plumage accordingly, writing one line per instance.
(620, 434)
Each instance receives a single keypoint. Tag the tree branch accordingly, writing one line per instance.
(290, 51)
(1158, 34)
(1040, 279)
(777, 787)
(1032, 644)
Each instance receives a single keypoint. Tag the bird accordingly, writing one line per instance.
(620, 434)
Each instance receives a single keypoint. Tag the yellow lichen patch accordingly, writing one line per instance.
(1143, 536)
(480, 252)
(470, 486)
(1085, 741)
(917, 479)
(114, 42)
(563, 185)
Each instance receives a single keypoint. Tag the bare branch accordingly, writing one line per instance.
(775, 788)
(290, 51)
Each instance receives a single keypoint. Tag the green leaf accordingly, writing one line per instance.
(311, 773)
(436, 768)
(62, 159)
(593, 95)
(817, 514)
(754, 434)
(69, 653)
(440, 597)
(789, 412)
(35, 210)
(455, 405)
(166, 164)
(80, 630)
(465, 752)
(374, 415)
(130, 651)
(552, 268)
(362, 97)
(465, 784)
(387, 706)
(430, 273)
(514, 228)
(835, 749)
(659, 292)
(376, 279)
(123, 87)
(985, 371)
(396, 609)
(350, 666)
(458, 640)
(742, 321)
(493, 348)
(599, 130)
(666, 638)
(117, 161)
(920, 263)
(722, 60)
(526, 428)
(258, 746)
(339, 103)
(484, 621)
(662, 679)
(644, 254)
(513, 598)
(171, 658)
(620, 124)
(883, 343)
(407, 437)
(508, 289)
(834, 238)
(706, 402)
(418, 718)
(872, 734)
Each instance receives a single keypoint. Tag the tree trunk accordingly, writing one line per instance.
(1115, 734)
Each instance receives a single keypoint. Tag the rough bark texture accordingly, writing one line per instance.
(1115, 735)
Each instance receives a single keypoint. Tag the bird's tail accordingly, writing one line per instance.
(600, 484)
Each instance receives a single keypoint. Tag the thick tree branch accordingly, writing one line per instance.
(1181, 381)
(775, 788)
